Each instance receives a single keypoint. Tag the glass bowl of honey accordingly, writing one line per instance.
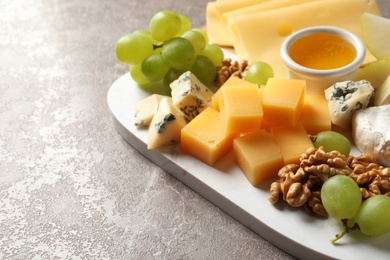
(323, 55)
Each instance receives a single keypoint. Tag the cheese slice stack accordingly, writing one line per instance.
(257, 31)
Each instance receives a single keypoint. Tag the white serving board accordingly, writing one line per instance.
(225, 185)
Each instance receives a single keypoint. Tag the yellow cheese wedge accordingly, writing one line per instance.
(382, 94)
(232, 81)
(258, 156)
(292, 140)
(256, 36)
(315, 115)
(282, 101)
(204, 137)
(216, 27)
(241, 109)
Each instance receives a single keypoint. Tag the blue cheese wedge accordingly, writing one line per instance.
(190, 95)
(345, 98)
(145, 109)
(165, 127)
(371, 132)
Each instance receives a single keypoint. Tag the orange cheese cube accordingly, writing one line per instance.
(241, 109)
(232, 81)
(283, 101)
(315, 115)
(292, 140)
(204, 137)
(258, 156)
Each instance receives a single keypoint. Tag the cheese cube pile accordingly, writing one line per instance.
(231, 23)
(265, 127)
(238, 113)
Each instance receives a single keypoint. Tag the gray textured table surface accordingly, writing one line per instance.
(70, 186)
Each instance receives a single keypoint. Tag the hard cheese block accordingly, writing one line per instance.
(292, 140)
(204, 137)
(232, 81)
(241, 109)
(315, 115)
(264, 43)
(282, 101)
(166, 125)
(258, 156)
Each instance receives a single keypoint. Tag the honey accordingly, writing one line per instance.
(322, 51)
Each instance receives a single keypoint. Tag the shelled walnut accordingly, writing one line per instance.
(230, 68)
(300, 184)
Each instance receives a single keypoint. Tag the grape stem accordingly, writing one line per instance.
(312, 137)
(345, 230)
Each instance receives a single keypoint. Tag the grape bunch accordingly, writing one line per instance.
(342, 199)
(169, 48)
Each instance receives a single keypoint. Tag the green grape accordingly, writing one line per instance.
(179, 53)
(132, 49)
(214, 53)
(154, 67)
(331, 141)
(171, 76)
(137, 75)
(147, 33)
(259, 73)
(373, 217)
(341, 197)
(197, 39)
(157, 50)
(204, 69)
(203, 33)
(165, 25)
(185, 24)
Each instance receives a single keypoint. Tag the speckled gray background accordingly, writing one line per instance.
(70, 186)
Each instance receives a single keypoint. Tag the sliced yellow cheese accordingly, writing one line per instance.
(258, 156)
(265, 6)
(241, 109)
(263, 43)
(292, 140)
(204, 137)
(282, 101)
(216, 27)
(232, 81)
(315, 115)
